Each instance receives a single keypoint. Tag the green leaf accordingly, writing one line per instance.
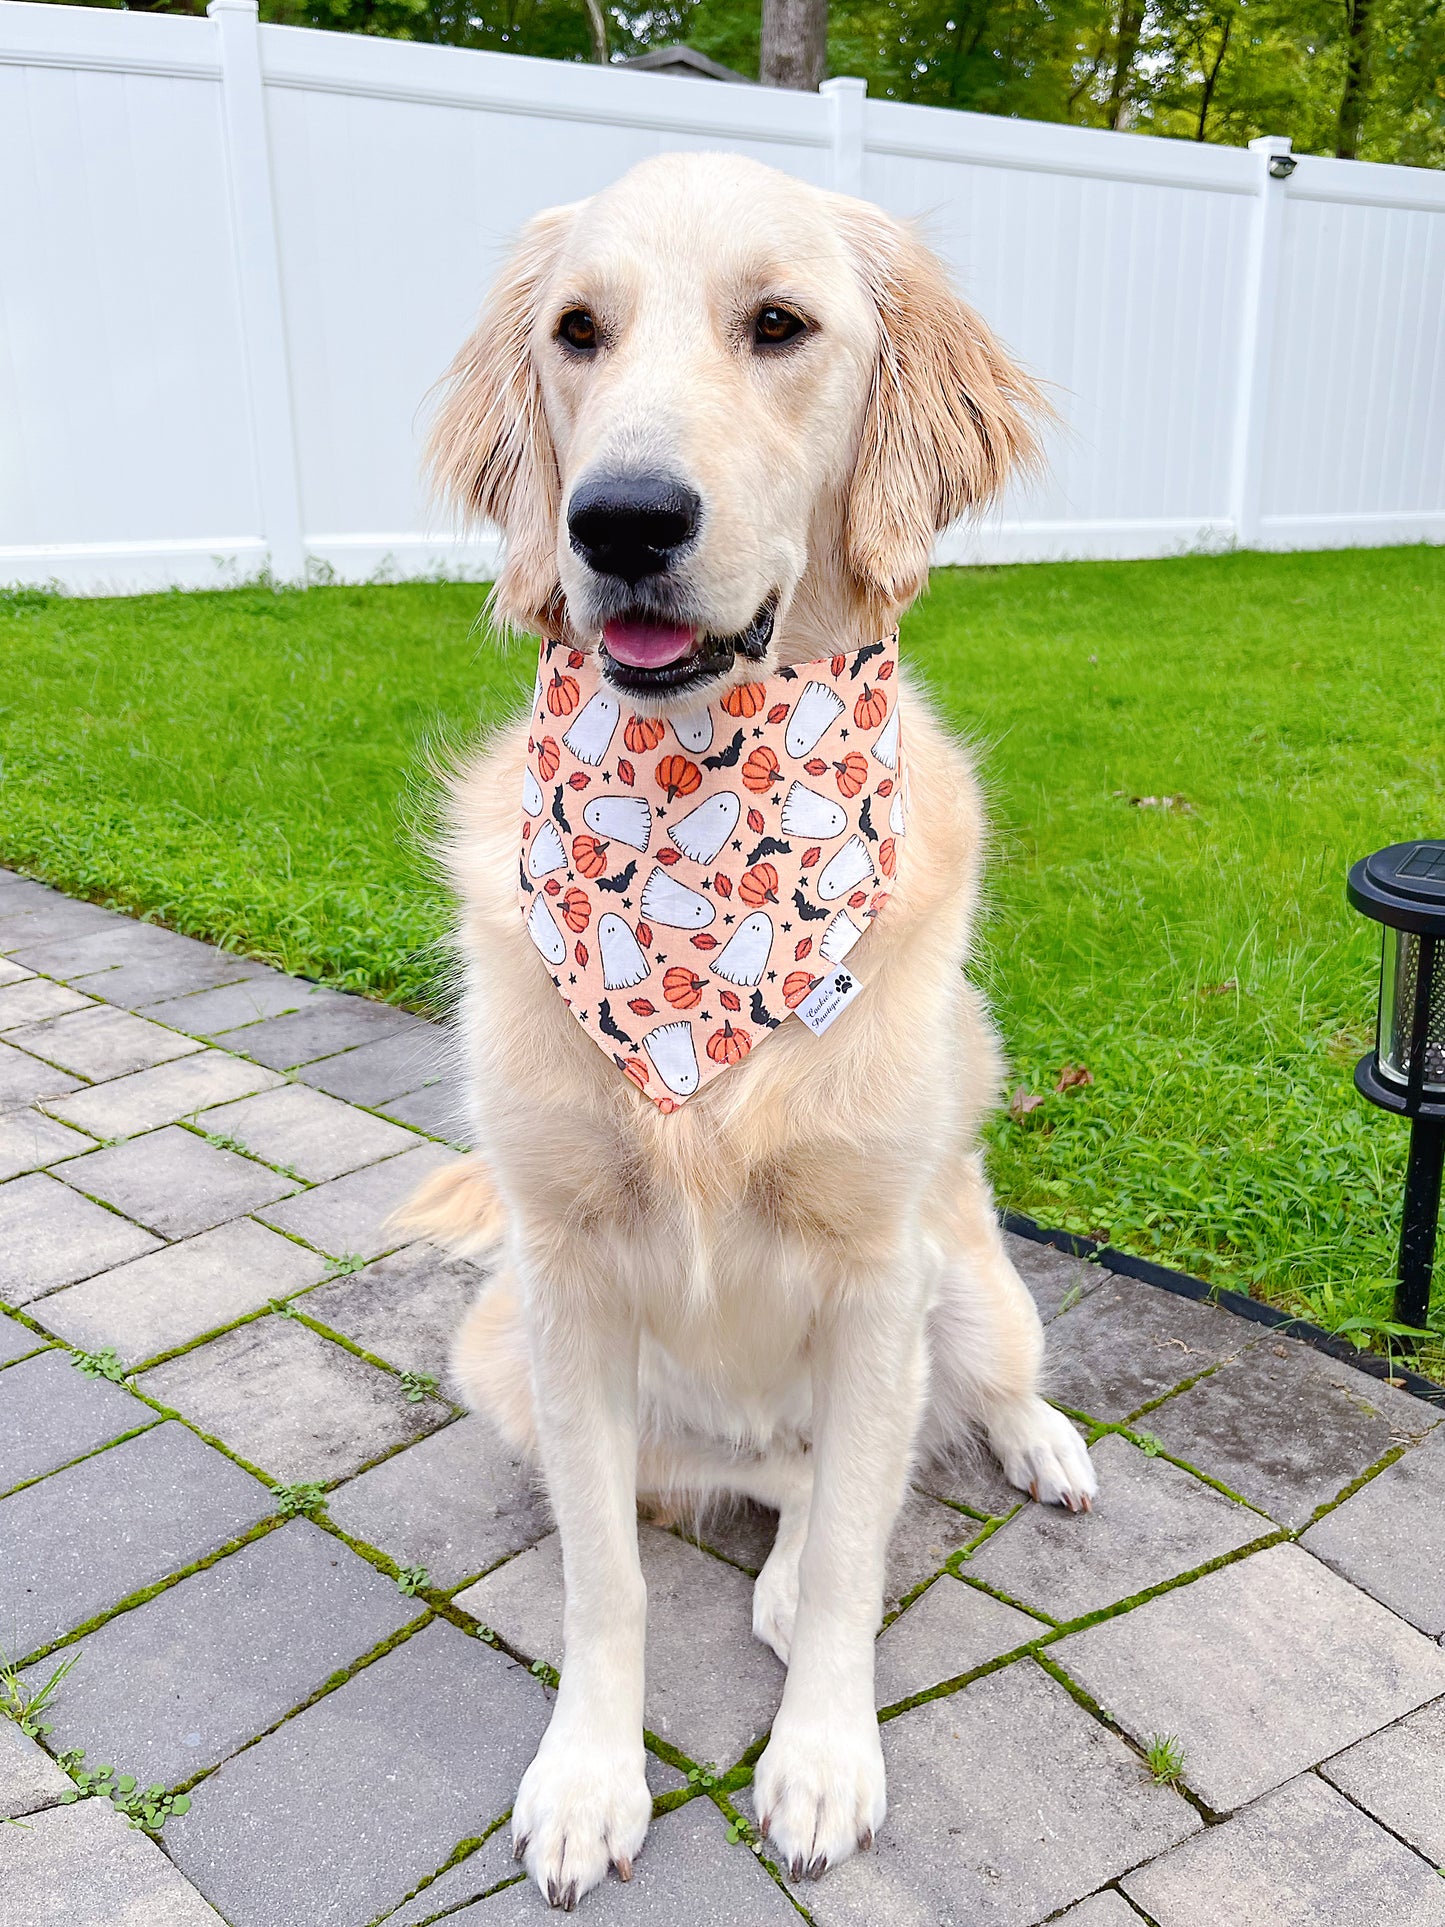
(181, 1803)
(126, 1783)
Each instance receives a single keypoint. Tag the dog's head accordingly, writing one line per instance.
(719, 414)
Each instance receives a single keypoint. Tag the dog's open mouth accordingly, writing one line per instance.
(647, 656)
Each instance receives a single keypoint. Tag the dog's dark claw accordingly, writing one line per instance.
(569, 1899)
(519, 1847)
(765, 1825)
(796, 1869)
(553, 1893)
(624, 1868)
(818, 1867)
(865, 1839)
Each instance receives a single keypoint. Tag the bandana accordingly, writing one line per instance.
(692, 881)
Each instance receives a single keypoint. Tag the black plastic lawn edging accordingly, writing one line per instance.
(1183, 1285)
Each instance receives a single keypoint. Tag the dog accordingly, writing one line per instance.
(720, 416)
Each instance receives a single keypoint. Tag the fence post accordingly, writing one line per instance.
(1273, 165)
(845, 98)
(258, 271)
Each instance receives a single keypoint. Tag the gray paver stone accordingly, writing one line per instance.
(137, 963)
(377, 1073)
(970, 1475)
(1006, 1802)
(17, 1340)
(1150, 1522)
(335, 1816)
(323, 1028)
(316, 1136)
(147, 1099)
(405, 1308)
(102, 1042)
(1390, 1537)
(50, 1414)
(1100, 1910)
(952, 1629)
(50, 1235)
(290, 1402)
(86, 1866)
(478, 1874)
(439, 1109)
(712, 1689)
(29, 1778)
(1127, 1343)
(35, 999)
(27, 1080)
(1399, 1777)
(688, 1872)
(91, 1535)
(29, 1140)
(349, 1215)
(176, 1684)
(176, 1294)
(924, 1534)
(173, 1182)
(27, 919)
(12, 973)
(1244, 1666)
(455, 1503)
(1304, 1857)
(1287, 1427)
(1051, 1276)
(263, 994)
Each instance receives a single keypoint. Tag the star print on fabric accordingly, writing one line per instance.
(756, 734)
(660, 812)
(772, 976)
(627, 903)
(607, 776)
(787, 927)
(571, 976)
(727, 919)
(736, 844)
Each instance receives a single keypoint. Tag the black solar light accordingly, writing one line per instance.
(1403, 888)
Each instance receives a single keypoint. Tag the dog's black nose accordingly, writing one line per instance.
(632, 525)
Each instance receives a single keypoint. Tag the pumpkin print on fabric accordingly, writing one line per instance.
(705, 857)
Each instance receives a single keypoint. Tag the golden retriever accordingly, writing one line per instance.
(720, 416)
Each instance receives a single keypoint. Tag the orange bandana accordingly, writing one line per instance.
(689, 882)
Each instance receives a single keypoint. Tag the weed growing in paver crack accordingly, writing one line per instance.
(146, 1807)
(548, 1674)
(293, 1501)
(703, 1775)
(1148, 1444)
(1071, 1297)
(412, 1579)
(1165, 1759)
(353, 1261)
(417, 1386)
(19, 1703)
(101, 1364)
(282, 1309)
(224, 1143)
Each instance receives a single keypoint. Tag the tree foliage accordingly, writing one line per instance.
(1362, 78)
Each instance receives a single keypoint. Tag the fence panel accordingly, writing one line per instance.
(237, 258)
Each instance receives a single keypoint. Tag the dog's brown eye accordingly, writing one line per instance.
(774, 326)
(578, 330)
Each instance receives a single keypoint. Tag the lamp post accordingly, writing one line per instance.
(1403, 888)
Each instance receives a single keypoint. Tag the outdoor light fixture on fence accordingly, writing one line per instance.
(1403, 888)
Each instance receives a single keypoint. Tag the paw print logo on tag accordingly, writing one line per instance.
(827, 1000)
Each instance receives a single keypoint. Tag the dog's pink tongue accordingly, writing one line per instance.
(647, 645)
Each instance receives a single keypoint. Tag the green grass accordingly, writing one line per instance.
(252, 767)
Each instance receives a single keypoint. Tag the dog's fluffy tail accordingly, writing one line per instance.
(458, 1208)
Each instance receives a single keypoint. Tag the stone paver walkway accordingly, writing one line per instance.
(295, 1585)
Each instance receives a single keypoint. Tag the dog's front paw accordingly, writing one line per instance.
(583, 1806)
(819, 1790)
(775, 1602)
(1043, 1455)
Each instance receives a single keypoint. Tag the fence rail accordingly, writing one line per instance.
(237, 256)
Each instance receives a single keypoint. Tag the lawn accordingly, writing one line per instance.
(1182, 759)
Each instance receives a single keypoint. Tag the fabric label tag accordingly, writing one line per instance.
(826, 999)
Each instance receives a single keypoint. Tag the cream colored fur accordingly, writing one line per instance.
(795, 1285)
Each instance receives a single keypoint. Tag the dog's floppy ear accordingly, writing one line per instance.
(949, 418)
(489, 452)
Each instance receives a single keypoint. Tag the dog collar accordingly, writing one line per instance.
(692, 881)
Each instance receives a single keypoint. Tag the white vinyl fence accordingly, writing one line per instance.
(233, 259)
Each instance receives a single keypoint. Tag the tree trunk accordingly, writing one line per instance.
(597, 27)
(1357, 70)
(1126, 46)
(1212, 77)
(795, 44)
